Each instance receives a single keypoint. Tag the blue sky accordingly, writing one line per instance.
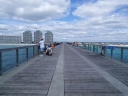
(68, 20)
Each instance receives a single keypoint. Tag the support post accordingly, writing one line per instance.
(111, 53)
(33, 51)
(27, 54)
(0, 63)
(17, 57)
(121, 58)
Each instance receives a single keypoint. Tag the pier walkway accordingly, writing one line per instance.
(71, 71)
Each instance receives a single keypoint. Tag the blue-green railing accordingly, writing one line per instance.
(12, 57)
(118, 53)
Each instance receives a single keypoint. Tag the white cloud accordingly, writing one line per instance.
(3, 27)
(76, 31)
(21, 28)
(99, 8)
(99, 25)
(31, 10)
(34, 26)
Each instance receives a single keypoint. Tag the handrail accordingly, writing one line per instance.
(103, 50)
(7, 61)
(6, 49)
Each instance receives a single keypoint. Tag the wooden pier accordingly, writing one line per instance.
(70, 71)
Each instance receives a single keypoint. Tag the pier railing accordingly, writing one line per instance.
(12, 57)
(119, 53)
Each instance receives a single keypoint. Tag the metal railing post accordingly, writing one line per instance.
(92, 48)
(97, 49)
(111, 53)
(84, 46)
(17, 57)
(121, 55)
(27, 54)
(100, 48)
(38, 50)
(104, 51)
(0, 63)
(33, 51)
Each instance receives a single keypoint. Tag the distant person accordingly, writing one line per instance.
(75, 43)
(41, 46)
(52, 45)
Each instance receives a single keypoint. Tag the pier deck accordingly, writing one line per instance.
(71, 71)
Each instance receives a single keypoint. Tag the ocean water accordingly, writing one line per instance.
(8, 58)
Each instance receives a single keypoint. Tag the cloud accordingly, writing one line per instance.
(99, 8)
(3, 27)
(106, 23)
(34, 26)
(87, 31)
(31, 10)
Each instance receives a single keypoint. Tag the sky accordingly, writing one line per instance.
(68, 20)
